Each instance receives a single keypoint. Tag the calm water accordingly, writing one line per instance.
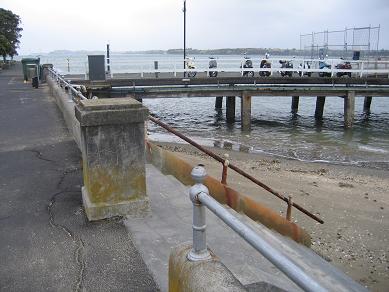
(274, 129)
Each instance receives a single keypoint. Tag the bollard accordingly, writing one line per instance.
(199, 251)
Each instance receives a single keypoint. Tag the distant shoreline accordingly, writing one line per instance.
(224, 51)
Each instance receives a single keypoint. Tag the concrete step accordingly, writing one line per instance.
(170, 223)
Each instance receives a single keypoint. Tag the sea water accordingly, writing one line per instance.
(274, 130)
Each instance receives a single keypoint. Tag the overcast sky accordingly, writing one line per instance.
(158, 24)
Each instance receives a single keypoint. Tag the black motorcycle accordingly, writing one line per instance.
(212, 65)
(287, 65)
(248, 64)
(264, 64)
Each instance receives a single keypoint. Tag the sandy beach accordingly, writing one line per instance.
(353, 202)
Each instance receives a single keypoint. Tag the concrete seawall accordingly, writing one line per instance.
(66, 105)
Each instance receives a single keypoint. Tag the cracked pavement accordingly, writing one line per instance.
(46, 243)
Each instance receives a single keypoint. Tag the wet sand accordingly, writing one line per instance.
(353, 202)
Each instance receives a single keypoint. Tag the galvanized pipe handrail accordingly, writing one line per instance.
(199, 196)
(70, 86)
(235, 168)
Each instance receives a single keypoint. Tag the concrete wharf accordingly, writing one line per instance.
(246, 88)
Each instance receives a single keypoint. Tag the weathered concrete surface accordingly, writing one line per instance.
(112, 144)
(46, 242)
(66, 105)
(171, 224)
(210, 275)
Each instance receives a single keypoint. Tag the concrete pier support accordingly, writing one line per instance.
(349, 108)
(246, 112)
(219, 102)
(295, 104)
(320, 102)
(367, 104)
(113, 154)
(230, 109)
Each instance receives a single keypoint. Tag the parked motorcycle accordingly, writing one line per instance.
(190, 64)
(212, 65)
(324, 65)
(247, 63)
(343, 66)
(265, 64)
(287, 65)
(306, 65)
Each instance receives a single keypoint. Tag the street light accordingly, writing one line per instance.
(184, 10)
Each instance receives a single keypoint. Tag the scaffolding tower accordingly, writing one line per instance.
(342, 43)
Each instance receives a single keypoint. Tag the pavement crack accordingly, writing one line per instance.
(64, 174)
(39, 155)
(79, 253)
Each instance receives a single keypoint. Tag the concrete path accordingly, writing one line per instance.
(171, 224)
(46, 243)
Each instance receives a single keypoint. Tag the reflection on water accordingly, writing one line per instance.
(277, 131)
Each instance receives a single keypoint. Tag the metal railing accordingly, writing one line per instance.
(200, 197)
(226, 164)
(75, 90)
(173, 66)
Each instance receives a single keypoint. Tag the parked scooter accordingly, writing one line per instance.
(265, 64)
(212, 65)
(190, 64)
(307, 65)
(247, 63)
(324, 65)
(287, 65)
(343, 66)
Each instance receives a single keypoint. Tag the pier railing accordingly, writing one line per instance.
(226, 164)
(74, 90)
(174, 67)
(199, 195)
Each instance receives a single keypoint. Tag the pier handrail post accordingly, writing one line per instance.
(199, 250)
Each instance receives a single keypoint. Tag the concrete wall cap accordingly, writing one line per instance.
(109, 104)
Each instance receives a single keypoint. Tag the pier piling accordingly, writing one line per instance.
(219, 102)
(230, 109)
(246, 112)
(320, 102)
(349, 107)
(367, 104)
(295, 104)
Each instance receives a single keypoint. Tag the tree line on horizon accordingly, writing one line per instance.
(10, 33)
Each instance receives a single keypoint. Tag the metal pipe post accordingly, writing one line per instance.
(199, 250)
(283, 263)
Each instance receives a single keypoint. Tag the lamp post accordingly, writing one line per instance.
(184, 10)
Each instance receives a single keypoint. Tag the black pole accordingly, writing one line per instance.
(184, 36)
(108, 61)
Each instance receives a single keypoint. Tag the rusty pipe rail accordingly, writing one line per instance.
(236, 169)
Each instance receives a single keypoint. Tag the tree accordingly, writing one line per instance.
(10, 33)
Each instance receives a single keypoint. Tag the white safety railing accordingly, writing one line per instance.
(300, 67)
(200, 197)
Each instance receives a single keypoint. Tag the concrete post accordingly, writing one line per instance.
(246, 112)
(320, 101)
(113, 153)
(219, 102)
(295, 104)
(367, 104)
(230, 109)
(349, 108)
